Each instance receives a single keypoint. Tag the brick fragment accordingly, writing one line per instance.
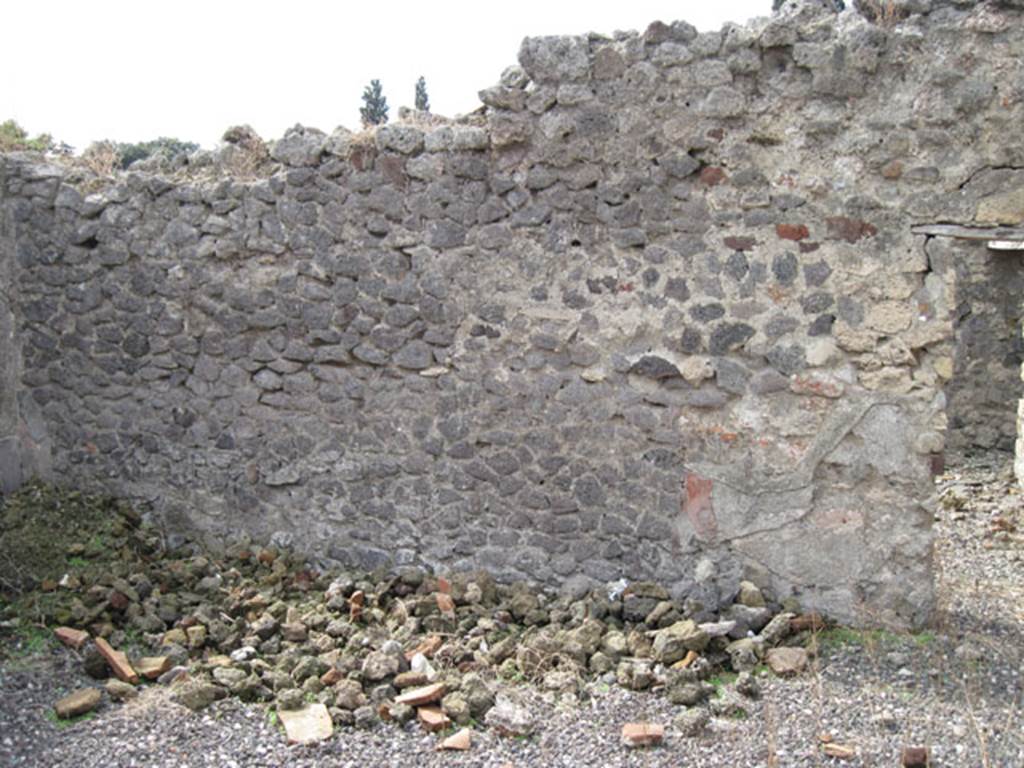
(642, 734)
(432, 719)
(117, 661)
(72, 638)
(427, 694)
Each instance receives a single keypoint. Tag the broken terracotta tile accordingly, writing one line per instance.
(355, 605)
(432, 719)
(73, 638)
(445, 604)
(151, 667)
(417, 697)
(428, 647)
(308, 724)
(461, 740)
(117, 661)
(642, 734)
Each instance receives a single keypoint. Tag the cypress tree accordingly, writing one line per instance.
(375, 107)
(422, 102)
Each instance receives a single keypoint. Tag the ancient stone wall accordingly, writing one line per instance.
(657, 312)
(10, 458)
(986, 383)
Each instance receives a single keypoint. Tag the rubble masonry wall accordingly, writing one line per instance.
(656, 313)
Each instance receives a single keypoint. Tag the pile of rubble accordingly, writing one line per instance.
(326, 650)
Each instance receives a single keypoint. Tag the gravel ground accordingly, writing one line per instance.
(956, 689)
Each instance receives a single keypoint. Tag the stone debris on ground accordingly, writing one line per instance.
(77, 703)
(536, 670)
(839, 751)
(460, 740)
(642, 734)
(306, 725)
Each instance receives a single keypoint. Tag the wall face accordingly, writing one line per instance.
(986, 382)
(10, 455)
(659, 314)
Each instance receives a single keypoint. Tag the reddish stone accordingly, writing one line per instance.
(792, 231)
(820, 385)
(361, 157)
(892, 170)
(740, 243)
(642, 734)
(330, 677)
(850, 230)
(916, 757)
(443, 585)
(393, 168)
(118, 601)
(698, 506)
(712, 175)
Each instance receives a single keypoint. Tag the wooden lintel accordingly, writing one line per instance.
(961, 232)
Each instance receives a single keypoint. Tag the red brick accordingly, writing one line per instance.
(850, 230)
(792, 231)
(712, 175)
(698, 506)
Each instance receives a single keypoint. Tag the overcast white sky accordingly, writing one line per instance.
(132, 70)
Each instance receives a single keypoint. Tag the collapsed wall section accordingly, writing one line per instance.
(658, 314)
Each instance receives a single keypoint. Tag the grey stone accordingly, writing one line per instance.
(654, 367)
(728, 336)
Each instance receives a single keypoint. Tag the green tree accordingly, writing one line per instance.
(375, 107)
(165, 146)
(14, 138)
(422, 102)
